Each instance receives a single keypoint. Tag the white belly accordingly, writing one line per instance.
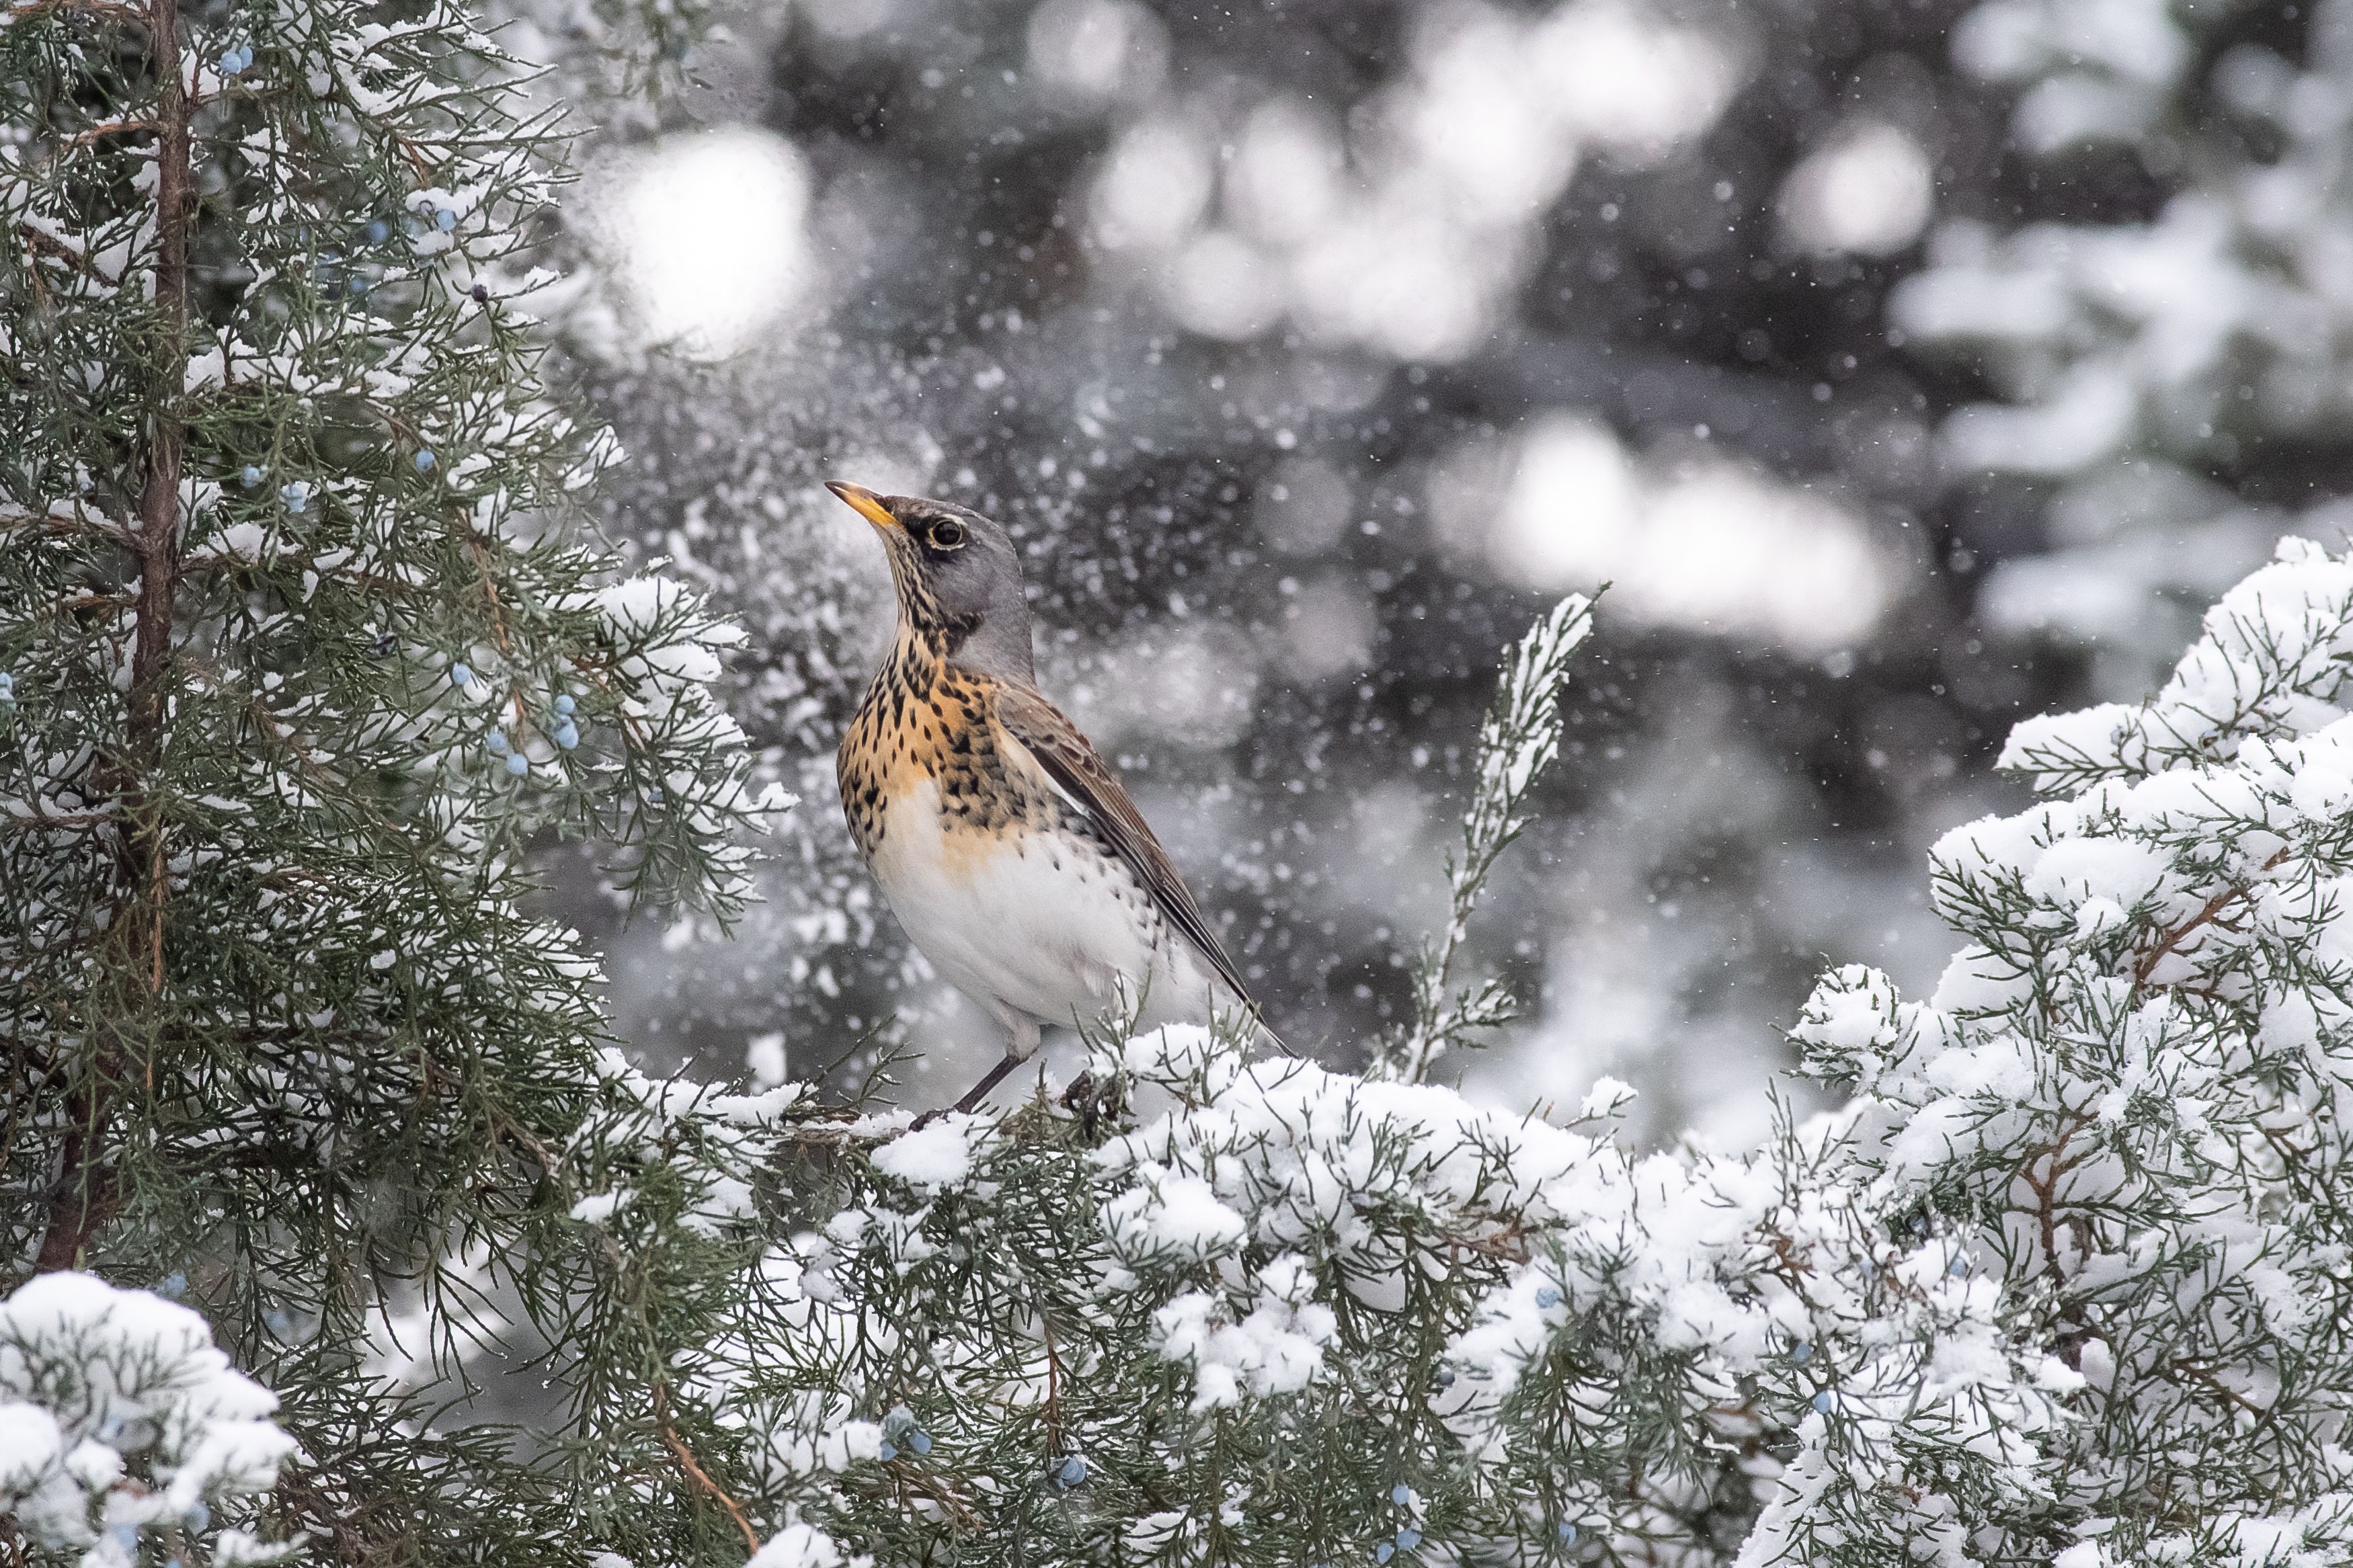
(1021, 935)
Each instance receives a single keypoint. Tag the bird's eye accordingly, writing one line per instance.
(947, 533)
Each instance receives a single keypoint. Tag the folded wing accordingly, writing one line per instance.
(1072, 763)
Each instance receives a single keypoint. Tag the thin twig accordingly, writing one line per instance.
(2146, 965)
(701, 1478)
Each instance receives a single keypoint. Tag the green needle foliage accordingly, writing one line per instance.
(304, 647)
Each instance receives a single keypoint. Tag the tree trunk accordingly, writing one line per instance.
(87, 1195)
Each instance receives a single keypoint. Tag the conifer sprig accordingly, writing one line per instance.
(1518, 738)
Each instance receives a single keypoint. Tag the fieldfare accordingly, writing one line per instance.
(1006, 846)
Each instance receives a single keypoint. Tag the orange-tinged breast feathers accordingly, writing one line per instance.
(924, 722)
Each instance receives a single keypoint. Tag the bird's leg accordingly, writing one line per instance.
(973, 1096)
(1021, 1044)
(989, 1081)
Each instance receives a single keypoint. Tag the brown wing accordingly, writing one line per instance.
(1070, 762)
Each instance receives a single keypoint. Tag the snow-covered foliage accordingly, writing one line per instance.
(1297, 1315)
(120, 1424)
(2121, 1102)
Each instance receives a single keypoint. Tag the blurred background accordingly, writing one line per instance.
(1907, 366)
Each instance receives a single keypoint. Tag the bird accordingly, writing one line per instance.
(1007, 848)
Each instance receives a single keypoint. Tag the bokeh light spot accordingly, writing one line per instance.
(716, 244)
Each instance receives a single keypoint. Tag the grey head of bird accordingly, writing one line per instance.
(958, 579)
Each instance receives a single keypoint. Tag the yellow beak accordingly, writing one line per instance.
(864, 502)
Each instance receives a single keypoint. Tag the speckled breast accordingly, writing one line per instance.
(926, 720)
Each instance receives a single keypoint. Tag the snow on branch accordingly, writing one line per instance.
(2272, 661)
(121, 1424)
(2123, 1100)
